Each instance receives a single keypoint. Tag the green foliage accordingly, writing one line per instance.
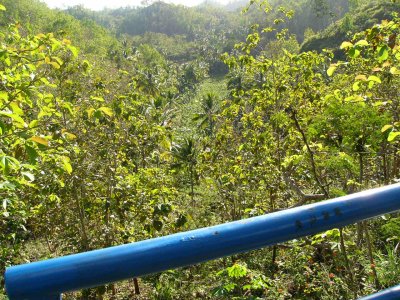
(391, 230)
(363, 15)
(29, 113)
(109, 142)
(91, 37)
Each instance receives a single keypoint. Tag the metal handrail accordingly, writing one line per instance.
(50, 278)
(388, 294)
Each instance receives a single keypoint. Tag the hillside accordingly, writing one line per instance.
(124, 125)
(343, 29)
(91, 37)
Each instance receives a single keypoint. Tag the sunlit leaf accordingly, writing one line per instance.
(33, 123)
(354, 53)
(99, 99)
(73, 50)
(394, 71)
(3, 95)
(361, 77)
(362, 43)
(237, 271)
(374, 78)
(356, 86)
(393, 135)
(106, 110)
(69, 136)
(28, 175)
(90, 112)
(40, 140)
(8, 163)
(15, 117)
(386, 127)
(54, 64)
(331, 70)
(7, 185)
(66, 164)
(16, 109)
(346, 45)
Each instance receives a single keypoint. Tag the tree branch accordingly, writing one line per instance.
(304, 197)
(311, 153)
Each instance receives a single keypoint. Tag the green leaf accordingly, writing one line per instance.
(90, 112)
(374, 78)
(386, 127)
(106, 110)
(33, 123)
(69, 136)
(3, 95)
(100, 99)
(6, 185)
(28, 175)
(7, 60)
(362, 43)
(68, 106)
(354, 53)
(247, 287)
(393, 135)
(73, 50)
(40, 140)
(331, 69)
(20, 122)
(346, 45)
(383, 53)
(7, 163)
(166, 144)
(2, 7)
(230, 286)
(54, 64)
(55, 46)
(361, 77)
(32, 154)
(46, 82)
(237, 271)
(356, 86)
(16, 109)
(66, 164)
(394, 71)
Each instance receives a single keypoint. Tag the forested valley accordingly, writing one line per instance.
(126, 124)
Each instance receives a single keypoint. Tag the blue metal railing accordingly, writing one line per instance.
(388, 294)
(50, 278)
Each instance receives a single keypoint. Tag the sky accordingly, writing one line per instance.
(100, 4)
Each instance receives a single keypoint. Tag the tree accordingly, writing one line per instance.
(185, 158)
(207, 117)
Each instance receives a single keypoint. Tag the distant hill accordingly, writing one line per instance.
(343, 29)
(165, 18)
(91, 37)
(236, 5)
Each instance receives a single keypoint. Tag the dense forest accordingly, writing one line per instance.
(126, 124)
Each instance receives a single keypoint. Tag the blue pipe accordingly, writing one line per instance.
(388, 294)
(48, 279)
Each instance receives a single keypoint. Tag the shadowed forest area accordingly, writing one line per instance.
(127, 124)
